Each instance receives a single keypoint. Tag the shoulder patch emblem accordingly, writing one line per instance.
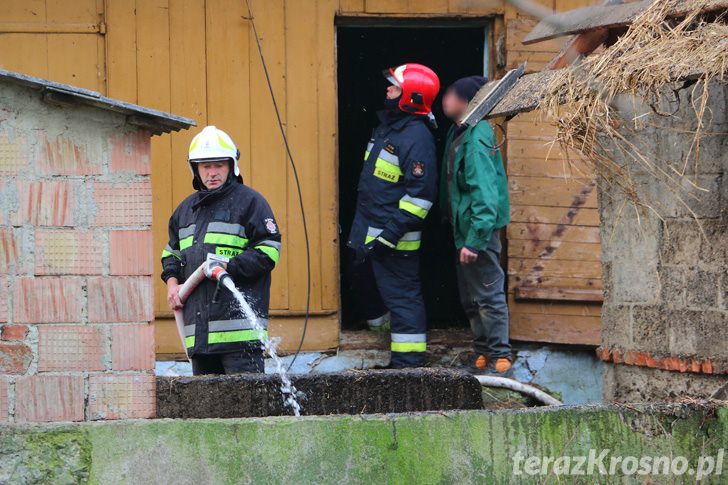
(270, 226)
(418, 169)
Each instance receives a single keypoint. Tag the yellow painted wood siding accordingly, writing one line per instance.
(55, 39)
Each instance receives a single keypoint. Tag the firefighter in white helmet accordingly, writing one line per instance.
(226, 218)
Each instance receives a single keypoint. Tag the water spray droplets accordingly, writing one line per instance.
(287, 388)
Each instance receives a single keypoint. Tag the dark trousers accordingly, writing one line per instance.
(391, 282)
(228, 363)
(484, 300)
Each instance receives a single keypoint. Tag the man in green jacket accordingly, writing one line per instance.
(474, 196)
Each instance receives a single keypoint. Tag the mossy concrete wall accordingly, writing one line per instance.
(450, 447)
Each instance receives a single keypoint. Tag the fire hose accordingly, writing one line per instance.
(208, 269)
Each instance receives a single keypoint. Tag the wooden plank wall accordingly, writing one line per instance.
(55, 39)
(198, 58)
(204, 55)
(553, 239)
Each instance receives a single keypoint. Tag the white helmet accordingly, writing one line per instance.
(213, 144)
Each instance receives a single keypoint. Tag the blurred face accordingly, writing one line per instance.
(213, 174)
(453, 105)
(393, 92)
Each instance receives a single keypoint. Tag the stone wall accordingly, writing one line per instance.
(665, 315)
(75, 263)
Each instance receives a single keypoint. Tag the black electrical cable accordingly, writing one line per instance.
(295, 176)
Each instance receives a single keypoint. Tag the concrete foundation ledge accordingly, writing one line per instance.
(440, 447)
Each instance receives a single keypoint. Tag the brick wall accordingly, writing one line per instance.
(665, 317)
(76, 302)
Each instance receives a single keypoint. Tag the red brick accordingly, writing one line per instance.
(616, 356)
(120, 299)
(68, 251)
(13, 154)
(132, 347)
(9, 243)
(2, 210)
(70, 347)
(62, 156)
(14, 332)
(603, 353)
(48, 299)
(15, 357)
(4, 297)
(121, 396)
(4, 407)
(131, 153)
(129, 204)
(131, 253)
(42, 398)
(46, 203)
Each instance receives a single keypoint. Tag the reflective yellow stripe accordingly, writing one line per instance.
(166, 254)
(386, 171)
(409, 346)
(408, 245)
(412, 209)
(227, 252)
(386, 243)
(222, 142)
(272, 253)
(190, 341)
(401, 245)
(185, 243)
(225, 239)
(193, 145)
(236, 336)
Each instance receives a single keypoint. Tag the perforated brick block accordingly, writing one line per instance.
(132, 347)
(120, 299)
(42, 398)
(128, 204)
(46, 203)
(61, 155)
(70, 348)
(121, 396)
(68, 251)
(48, 299)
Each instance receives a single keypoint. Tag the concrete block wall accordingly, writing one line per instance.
(665, 316)
(76, 262)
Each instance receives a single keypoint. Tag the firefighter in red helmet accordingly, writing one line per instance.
(397, 187)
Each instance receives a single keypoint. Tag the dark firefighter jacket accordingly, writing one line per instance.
(233, 221)
(398, 183)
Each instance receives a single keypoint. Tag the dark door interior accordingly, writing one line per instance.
(363, 52)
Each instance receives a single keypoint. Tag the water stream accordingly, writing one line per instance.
(287, 388)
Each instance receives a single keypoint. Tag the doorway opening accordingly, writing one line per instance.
(364, 49)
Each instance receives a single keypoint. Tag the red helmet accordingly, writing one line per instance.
(419, 84)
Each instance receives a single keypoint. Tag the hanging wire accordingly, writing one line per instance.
(295, 176)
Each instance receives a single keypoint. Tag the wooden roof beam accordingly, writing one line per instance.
(608, 16)
(581, 45)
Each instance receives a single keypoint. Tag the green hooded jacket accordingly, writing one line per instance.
(478, 189)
